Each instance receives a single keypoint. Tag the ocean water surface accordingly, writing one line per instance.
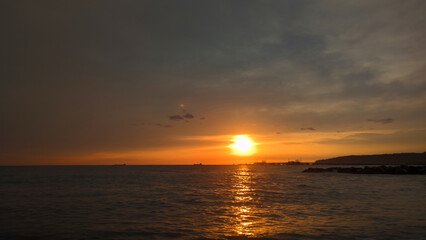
(208, 202)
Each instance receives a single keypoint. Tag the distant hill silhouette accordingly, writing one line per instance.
(381, 159)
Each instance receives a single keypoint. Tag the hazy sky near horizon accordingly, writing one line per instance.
(170, 82)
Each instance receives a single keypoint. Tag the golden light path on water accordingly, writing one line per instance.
(244, 207)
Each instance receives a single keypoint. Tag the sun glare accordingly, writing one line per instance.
(243, 145)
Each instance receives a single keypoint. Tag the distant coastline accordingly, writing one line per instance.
(376, 159)
(380, 159)
(399, 170)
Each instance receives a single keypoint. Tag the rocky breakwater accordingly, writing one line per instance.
(403, 169)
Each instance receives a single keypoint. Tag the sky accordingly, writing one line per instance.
(172, 82)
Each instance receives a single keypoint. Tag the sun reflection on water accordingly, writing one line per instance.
(243, 192)
(249, 215)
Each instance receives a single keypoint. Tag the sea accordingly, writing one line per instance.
(208, 202)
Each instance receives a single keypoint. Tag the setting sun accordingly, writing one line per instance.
(243, 145)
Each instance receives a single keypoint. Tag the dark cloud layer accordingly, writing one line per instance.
(75, 75)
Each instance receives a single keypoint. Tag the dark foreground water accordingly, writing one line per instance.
(208, 202)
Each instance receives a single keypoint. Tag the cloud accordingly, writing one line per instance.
(399, 138)
(163, 125)
(308, 128)
(179, 117)
(188, 116)
(176, 117)
(382, 121)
